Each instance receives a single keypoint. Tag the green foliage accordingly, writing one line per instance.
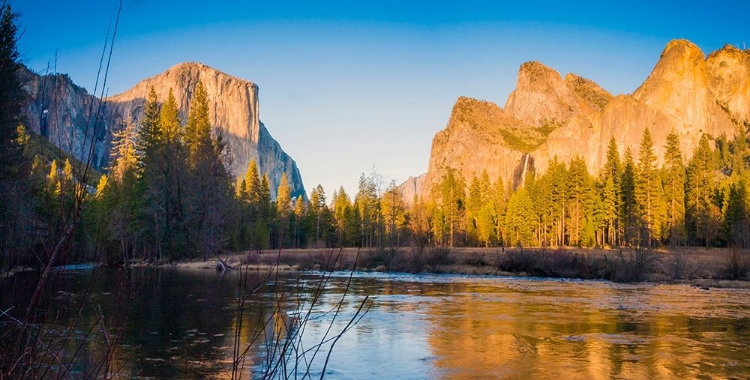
(394, 215)
(11, 96)
(169, 196)
(702, 212)
(673, 174)
(367, 202)
(198, 128)
(452, 202)
(519, 219)
(628, 212)
(37, 146)
(649, 192)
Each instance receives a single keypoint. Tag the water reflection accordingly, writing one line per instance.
(189, 324)
(590, 330)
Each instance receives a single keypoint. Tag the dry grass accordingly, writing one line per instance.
(676, 265)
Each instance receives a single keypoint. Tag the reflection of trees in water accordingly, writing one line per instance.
(589, 331)
(183, 324)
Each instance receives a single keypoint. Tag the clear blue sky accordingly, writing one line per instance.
(348, 87)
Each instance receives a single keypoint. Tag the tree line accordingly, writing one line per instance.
(168, 195)
(631, 202)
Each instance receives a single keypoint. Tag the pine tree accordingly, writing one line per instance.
(674, 190)
(265, 196)
(608, 196)
(252, 179)
(612, 173)
(342, 212)
(486, 224)
(498, 199)
(297, 225)
(394, 214)
(737, 221)
(558, 202)
(317, 214)
(648, 190)
(11, 98)
(628, 211)
(123, 152)
(169, 119)
(702, 213)
(149, 138)
(198, 128)
(452, 201)
(172, 164)
(263, 216)
(13, 164)
(579, 185)
(519, 219)
(367, 202)
(53, 179)
(473, 205)
(68, 186)
(283, 198)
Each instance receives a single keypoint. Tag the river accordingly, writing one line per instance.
(177, 323)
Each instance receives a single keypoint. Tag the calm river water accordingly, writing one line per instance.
(185, 323)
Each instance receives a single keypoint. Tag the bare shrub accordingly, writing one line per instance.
(561, 263)
(520, 260)
(417, 255)
(736, 264)
(436, 256)
(477, 259)
(679, 264)
(379, 258)
(631, 266)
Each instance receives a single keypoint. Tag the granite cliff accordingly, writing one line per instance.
(547, 116)
(233, 109)
(64, 113)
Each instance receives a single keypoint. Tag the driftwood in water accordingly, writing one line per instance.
(222, 265)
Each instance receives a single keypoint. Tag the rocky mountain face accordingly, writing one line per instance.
(233, 110)
(66, 114)
(547, 116)
(411, 187)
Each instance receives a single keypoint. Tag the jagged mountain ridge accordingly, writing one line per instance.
(233, 109)
(547, 116)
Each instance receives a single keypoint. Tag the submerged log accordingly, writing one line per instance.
(222, 265)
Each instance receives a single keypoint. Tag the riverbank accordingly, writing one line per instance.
(704, 268)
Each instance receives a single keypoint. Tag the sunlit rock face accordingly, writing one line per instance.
(479, 136)
(233, 110)
(729, 80)
(547, 116)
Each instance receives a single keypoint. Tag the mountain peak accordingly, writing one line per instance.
(596, 96)
(197, 69)
(680, 72)
(682, 46)
(537, 70)
(233, 110)
(573, 116)
(542, 97)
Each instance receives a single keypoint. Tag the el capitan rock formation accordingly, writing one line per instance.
(547, 116)
(233, 110)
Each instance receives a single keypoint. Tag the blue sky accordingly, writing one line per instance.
(352, 87)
